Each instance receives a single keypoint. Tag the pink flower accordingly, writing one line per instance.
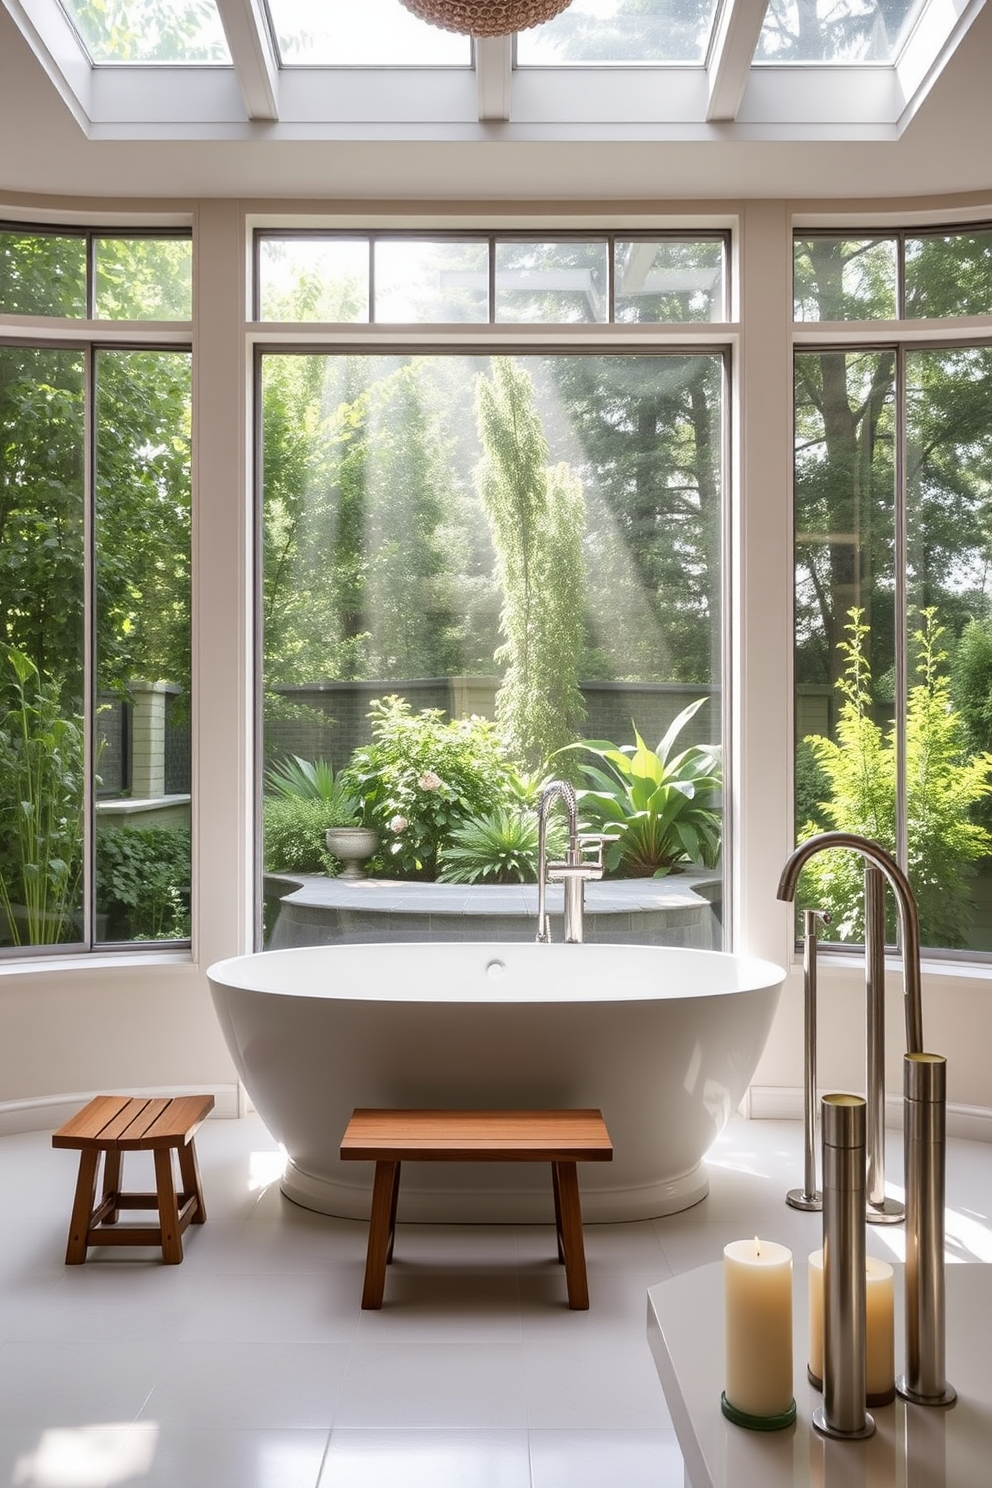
(429, 781)
(398, 824)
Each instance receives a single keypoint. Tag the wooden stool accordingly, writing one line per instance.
(113, 1125)
(562, 1138)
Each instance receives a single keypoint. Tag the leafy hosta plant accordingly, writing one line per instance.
(662, 808)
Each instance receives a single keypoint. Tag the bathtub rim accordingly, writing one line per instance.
(755, 973)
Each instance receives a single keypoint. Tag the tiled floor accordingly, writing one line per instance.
(252, 1365)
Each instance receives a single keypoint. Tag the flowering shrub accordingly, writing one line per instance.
(421, 777)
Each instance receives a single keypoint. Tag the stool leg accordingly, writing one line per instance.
(168, 1208)
(82, 1207)
(189, 1169)
(111, 1180)
(571, 1234)
(384, 1190)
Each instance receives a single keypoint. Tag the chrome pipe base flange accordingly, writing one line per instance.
(798, 1198)
(889, 1211)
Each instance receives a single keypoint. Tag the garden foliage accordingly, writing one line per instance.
(663, 809)
(423, 776)
(943, 785)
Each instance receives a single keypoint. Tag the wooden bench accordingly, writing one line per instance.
(112, 1125)
(563, 1138)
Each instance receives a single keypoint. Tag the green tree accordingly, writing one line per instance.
(537, 516)
(943, 783)
(357, 582)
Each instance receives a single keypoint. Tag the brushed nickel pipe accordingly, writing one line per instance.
(843, 1413)
(808, 1197)
(925, 1087)
(880, 1210)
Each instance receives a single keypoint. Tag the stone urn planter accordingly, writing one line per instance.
(353, 845)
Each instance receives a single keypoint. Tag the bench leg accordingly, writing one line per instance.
(557, 1194)
(168, 1207)
(82, 1207)
(382, 1220)
(571, 1236)
(189, 1170)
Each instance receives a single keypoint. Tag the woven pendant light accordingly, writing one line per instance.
(486, 17)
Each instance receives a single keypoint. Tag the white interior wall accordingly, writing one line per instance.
(139, 1022)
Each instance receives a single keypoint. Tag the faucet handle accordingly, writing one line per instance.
(596, 841)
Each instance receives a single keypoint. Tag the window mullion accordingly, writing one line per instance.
(89, 648)
(901, 607)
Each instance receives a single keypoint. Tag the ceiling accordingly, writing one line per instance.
(727, 129)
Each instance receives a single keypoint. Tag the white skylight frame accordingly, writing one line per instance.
(729, 98)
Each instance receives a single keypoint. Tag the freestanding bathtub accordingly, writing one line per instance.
(664, 1041)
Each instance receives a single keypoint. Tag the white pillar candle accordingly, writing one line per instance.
(879, 1323)
(880, 1348)
(757, 1278)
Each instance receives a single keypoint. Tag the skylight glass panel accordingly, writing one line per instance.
(838, 31)
(178, 31)
(612, 33)
(374, 33)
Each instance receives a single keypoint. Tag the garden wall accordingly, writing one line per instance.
(329, 719)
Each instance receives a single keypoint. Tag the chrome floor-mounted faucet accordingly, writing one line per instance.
(574, 872)
(879, 866)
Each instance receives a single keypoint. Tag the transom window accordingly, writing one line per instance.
(394, 278)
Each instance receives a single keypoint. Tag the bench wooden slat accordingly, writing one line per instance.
(477, 1136)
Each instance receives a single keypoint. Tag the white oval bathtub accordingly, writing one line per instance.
(664, 1041)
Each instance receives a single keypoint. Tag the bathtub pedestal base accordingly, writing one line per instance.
(472, 1194)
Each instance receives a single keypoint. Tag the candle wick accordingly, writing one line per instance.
(757, 1245)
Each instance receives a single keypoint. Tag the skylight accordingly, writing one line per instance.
(601, 70)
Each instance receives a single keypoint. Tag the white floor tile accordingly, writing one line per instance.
(205, 1457)
(469, 1385)
(427, 1459)
(250, 1385)
(605, 1459)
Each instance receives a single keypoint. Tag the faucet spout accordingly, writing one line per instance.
(909, 922)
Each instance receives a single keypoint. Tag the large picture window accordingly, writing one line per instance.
(894, 584)
(472, 563)
(94, 607)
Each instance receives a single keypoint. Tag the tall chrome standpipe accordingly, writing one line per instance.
(879, 866)
(843, 1413)
(880, 1210)
(925, 1086)
(809, 1197)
